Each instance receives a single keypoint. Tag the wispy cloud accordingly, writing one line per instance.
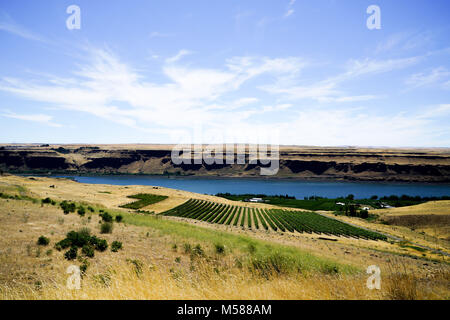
(328, 90)
(290, 11)
(403, 41)
(110, 89)
(178, 56)
(9, 25)
(437, 76)
(40, 118)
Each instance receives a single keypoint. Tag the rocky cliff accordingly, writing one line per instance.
(414, 165)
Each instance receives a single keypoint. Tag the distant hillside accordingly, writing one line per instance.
(363, 164)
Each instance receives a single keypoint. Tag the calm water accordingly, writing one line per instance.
(299, 189)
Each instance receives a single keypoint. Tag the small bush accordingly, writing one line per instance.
(46, 200)
(101, 245)
(68, 207)
(63, 244)
(84, 266)
(364, 214)
(119, 218)
(81, 211)
(220, 248)
(138, 265)
(88, 250)
(71, 254)
(43, 241)
(198, 251)
(106, 227)
(106, 217)
(116, 246)
(80, 238)
(187, 248)
(91, 209)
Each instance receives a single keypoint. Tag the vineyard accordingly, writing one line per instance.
(268, 219)
(144, 199)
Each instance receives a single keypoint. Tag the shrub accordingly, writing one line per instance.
(88, 250)
(364, 214)
(84, 266)
(106, 227)
(63, 244)
(43, 241)
(187, 248)
(81, 211)
(68, 207)
(80, 238)
(138, 265)
(198, 251)
(46, 200)
(106, 217)
(101, 245)
(91, 209)
(71, 254)
(119, 218)
(220, 248)
(116, 246)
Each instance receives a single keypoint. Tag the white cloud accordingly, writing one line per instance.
(40, 118)
(327, 90)
(108, 88)
(434, 76)
(178, 56)
(403, 41)
(290, 10)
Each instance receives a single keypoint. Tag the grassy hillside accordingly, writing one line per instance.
(168, 258)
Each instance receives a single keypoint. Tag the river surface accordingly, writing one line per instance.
(296, 188)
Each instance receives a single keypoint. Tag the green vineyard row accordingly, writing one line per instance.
(268, 219)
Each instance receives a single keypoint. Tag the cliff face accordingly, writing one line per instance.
(420, 165)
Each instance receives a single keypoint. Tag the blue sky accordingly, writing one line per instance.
(292, 72)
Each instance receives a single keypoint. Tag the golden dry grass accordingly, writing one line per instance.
(29, 271)
(203, 281)
(441, 207)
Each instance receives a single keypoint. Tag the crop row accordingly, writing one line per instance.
(268, 219)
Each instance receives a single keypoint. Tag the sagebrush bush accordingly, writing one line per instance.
(106, 217)
(220, 248)
(119, 218)
(81, 211)
(43, 241)
(68, 206)
(101, 245)
(88, 250)
(116, 246)
(106, 227)
(71, 254)
(82, 239)
(46, 200)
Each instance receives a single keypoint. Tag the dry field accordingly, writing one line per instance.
(160, 258)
